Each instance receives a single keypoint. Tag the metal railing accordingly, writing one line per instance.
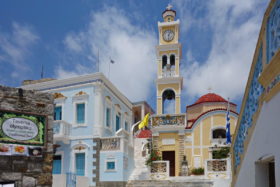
(110, 144)
(61, 127)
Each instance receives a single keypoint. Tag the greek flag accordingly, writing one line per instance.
(228, 129)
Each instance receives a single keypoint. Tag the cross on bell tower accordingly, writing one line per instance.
(169, 82)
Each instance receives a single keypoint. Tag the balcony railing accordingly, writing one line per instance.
(110, 144)
(169, 119)
(218, 168)
(160, 170)
(61, 130)
(168, 73)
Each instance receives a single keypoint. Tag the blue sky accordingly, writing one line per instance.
(218, 38)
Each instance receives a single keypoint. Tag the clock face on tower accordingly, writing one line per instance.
(168, 35)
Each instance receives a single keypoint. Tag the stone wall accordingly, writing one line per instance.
(28, 171)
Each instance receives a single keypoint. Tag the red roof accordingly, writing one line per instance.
(210, 97)
(144, 134)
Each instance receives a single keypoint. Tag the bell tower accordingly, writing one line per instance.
(169, 82)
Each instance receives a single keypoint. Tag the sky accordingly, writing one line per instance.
(218, 40)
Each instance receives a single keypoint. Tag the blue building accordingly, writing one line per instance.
(92, 131)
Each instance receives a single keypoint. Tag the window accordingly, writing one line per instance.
(108, 117)
(110, 165)
(58, 113)
(80, 113)
(117, 122)
(164, 61)
(219, 133)
(126, 125)
(80, 164)
(57, 164)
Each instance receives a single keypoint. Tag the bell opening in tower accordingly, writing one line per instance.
(168, 106)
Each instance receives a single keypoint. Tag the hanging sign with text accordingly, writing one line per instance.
(19, 128)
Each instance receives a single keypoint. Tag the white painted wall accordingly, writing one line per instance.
(265, 141)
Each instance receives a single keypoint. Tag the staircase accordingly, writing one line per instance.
(141, 171)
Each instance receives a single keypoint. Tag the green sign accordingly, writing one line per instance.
(19, 128)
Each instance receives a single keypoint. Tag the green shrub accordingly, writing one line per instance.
(221, 153)
(198, 171)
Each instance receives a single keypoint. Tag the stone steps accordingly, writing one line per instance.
(168, 183)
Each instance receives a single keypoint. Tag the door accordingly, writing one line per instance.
(170, 155)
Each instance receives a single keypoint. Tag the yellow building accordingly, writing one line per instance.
(202, 129)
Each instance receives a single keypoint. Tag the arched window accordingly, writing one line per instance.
(168, 98)
(219, 133)
(172, 61)
(164, 61)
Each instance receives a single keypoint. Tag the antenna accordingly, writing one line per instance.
(98, 60)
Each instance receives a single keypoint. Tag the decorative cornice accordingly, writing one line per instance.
(76, 81)
(171, 23)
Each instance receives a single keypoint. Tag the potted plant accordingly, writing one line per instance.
(154, 156)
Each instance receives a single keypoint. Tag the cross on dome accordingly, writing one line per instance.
(169, 6)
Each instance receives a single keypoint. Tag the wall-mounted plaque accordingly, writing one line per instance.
(20, 128)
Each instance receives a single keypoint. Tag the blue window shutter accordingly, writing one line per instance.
(108, 115)
(57, 164)
(111, 165)
(117, 122)
(81, 113)
(58, 113)
(80, 164)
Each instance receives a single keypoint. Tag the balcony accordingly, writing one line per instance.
(168, 73)
(169, 119)
(110, 144)
(167, 122)
(61, 131)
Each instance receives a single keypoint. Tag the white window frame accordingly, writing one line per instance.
(109, 105)
(61, 153)
(75, 103)
(110, 160)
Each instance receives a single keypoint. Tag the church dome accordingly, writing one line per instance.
(210, 97)
(144, 134)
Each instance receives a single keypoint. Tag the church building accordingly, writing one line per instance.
(193, 135)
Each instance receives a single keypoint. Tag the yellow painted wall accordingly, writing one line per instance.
(171, 148)
(196, 134)
(206, 129)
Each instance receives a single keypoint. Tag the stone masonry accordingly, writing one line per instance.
(23, 170)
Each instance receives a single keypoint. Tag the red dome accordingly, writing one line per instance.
(210, 97)
(144, 134)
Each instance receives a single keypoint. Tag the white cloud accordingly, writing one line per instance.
(235, 26)
(15, 48)
(131, 47)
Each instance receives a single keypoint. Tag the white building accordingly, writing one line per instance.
(92, 126)
(256, 150)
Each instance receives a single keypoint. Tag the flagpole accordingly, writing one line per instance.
(109, 69)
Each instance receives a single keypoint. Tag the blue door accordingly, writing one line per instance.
(57, 164)
(80, 164)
